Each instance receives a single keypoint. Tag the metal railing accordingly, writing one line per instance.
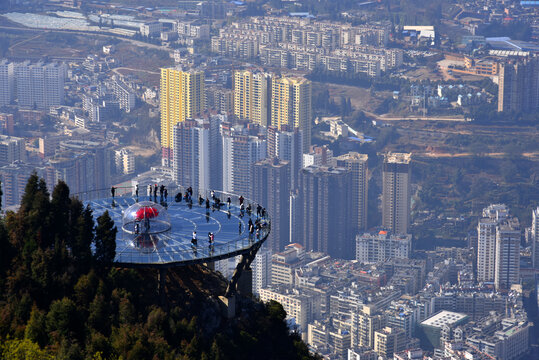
(182, 251)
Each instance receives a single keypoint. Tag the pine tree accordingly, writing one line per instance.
(81, 247)
(29, 192)
(60, 205)
(105, 240)
(35, 329)
(32, 221)
(6, 251)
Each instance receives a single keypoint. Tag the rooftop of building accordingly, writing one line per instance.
(353, 156)
(324, 169)
(444, 318)
(398, 158)
(9, 139)
(273, 162)
(384, 234)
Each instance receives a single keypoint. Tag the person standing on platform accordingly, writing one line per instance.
(166, 194)
(112, 191)
(136, 191)
(228, 201)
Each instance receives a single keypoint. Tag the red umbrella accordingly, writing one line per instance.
(146, 212)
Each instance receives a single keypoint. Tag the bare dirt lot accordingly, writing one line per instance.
(360, 98)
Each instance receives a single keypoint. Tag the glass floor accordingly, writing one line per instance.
(173, 246)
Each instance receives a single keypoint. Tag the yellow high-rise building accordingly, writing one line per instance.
(291, 106)
(182, 97)
(252, 96)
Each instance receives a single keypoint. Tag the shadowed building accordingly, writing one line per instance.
(287, 145)
(518, 85)
(396, 196)
(271, 186)
(326, 208)
(357, 164)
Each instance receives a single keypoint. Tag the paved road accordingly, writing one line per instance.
(529, 155)
(385, 117)
(132, 41)
(115, 70)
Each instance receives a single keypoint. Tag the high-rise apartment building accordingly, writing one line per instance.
(85, 166)
(11, 149)
(14, 178)
(252, 96)
(357, 164)
(291, 105)
(287, 145)
(326, 208)
(182, 97)
(198, 152)
(40, 85)
(535, 238)
(240, 152)
(271, 188)
(7, 124)
(518, 85)
(396, 196)
(220, 99)
(261, 267)
(498, 247)
(7, 82)
(486, 240)
(507, 265)
(191, 143)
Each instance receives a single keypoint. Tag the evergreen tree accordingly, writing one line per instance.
(105, 240)
(81, 247)
(75, 212)
(60, 205)
(6, 251)
(32, 221)
(29, 192)
(35, 329)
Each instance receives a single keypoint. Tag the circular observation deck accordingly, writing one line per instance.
(154, 232)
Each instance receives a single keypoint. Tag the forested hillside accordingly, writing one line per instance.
(61, 299)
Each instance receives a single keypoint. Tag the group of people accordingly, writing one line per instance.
(214, 204)
(187, 197)
(163, 192)
(152, 190)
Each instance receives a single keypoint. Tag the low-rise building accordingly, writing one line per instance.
(382, 246)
